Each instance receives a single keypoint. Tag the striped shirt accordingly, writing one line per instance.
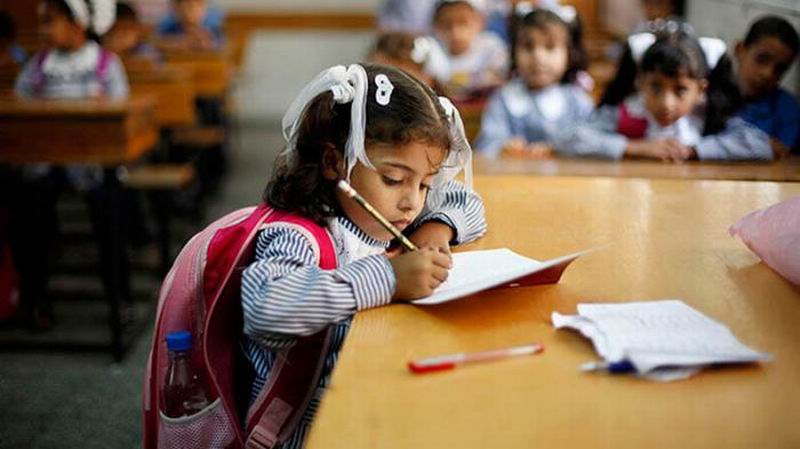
(286, 295)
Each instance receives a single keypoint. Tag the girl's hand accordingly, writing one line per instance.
(667, 150)
(435, 235)
(518, 148)
(779, 150)
(515, 147)
(418, 273)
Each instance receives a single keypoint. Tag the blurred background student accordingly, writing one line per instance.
(467, 60)
(763, 57)
(192, 25)
(129, 36)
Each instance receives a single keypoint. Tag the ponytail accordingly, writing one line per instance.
(723, 98)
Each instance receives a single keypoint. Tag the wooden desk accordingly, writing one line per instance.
(211, 70)
(786, 170)
(668, 240)
(76, 132)
(173, 88)
(107, 133)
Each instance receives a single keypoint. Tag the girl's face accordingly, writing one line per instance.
(542, 55)
(58, 30)
(457, 26)
(670, 98)
(192, 12)
(397, 187)
(762, 64)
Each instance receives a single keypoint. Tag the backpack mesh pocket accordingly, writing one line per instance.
(209, 428)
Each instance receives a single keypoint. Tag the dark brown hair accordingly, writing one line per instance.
(413, 115)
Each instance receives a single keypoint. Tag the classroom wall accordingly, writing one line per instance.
(730, 19)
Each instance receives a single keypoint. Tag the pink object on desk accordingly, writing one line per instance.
(450, 361)
(774, 235)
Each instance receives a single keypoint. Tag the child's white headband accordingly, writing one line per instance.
(99, 19)
(349, 85)
(713, 48)
(564, 12)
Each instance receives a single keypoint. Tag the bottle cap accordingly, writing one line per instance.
(179, 341)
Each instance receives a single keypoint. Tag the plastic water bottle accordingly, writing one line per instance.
(184, 393)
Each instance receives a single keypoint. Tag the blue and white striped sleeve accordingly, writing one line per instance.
(739, 140)
(596, 137)
(285, 294)
(461, 209)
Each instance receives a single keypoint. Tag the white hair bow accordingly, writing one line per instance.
(566, 13)
(94, 15)
(713, 48)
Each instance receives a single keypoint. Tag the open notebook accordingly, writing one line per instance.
(475, 271)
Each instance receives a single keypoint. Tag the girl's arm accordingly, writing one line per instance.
(495, 127)
(597, 137)
(285, 294)
(460, 208)
(740, 140)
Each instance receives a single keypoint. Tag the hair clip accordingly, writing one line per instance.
(383, 94)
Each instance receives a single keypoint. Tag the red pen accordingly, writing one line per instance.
(450, 361)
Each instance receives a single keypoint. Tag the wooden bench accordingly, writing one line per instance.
(159, 182)
(211, 70)
(173, 88)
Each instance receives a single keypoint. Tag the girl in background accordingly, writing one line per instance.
(523, 116)
(673, 99)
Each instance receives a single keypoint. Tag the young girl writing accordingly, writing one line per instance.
(522, 117)
(400, 147)
(672, 99)
(768, 50)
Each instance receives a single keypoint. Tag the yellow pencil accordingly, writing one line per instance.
(351, 192)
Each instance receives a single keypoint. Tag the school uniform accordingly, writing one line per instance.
(88, 72)
(476, 68)
(533, 115)
(285, 294)
(412, 16)
(777, 114)
(606, 134)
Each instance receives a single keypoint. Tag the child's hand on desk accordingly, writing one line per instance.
(517, 148)
(418, 273)
(667, 150)
(435, 235)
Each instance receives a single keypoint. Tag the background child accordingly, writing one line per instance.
(401, 156)
(468, 61)
(192, 26)
(406, 51)
(768, 50)
(73, 66)
(12, 56)
(681, 110)
(522, 117)
(128, 36)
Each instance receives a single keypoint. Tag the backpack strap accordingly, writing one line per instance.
(629, 125)
(294, 375)
(38, 72)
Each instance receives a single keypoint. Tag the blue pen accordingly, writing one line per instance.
(620, 367)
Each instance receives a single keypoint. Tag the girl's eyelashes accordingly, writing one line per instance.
(391, 181)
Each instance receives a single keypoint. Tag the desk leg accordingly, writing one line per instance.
(115, 272)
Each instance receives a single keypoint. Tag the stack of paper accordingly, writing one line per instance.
(664, 340)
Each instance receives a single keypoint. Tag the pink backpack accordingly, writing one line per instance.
(629, 125)
(201, 294)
